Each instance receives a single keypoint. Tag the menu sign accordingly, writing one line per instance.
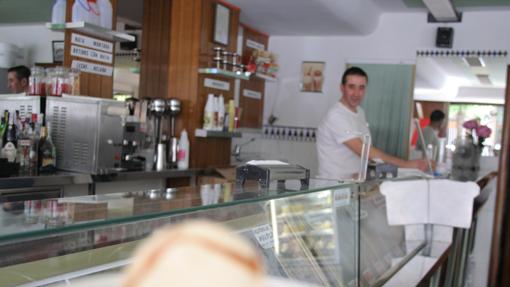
(90, 42)
(91, 54)
(93, 68)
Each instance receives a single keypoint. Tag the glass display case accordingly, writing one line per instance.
(330, 234)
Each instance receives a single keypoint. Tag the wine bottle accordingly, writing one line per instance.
(47, 154)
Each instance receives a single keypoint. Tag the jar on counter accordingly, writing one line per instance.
(37, 82)
(73, 81)
(57, 83)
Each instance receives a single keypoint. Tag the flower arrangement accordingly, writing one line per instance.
(478, 132)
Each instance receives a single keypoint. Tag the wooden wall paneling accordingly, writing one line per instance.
(206, 34)
(252, 109)
(209, 152)
(500, 249)
(157, 21)
(90, 84)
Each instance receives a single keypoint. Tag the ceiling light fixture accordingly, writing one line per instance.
(474, 62)
(484, 79)
(442, 11)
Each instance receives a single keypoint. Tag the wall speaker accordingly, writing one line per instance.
(444, 37)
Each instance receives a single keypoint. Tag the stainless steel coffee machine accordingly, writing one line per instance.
(174, 109)
(133, 140)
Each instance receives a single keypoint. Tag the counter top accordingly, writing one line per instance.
(70, 178)
(60, 178)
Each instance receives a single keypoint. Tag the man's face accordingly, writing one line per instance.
(353, 91)
(15, 85)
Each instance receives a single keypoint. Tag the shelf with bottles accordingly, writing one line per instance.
(201, 133)
(231, 74)
(92, 30)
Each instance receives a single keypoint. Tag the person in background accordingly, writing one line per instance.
(339, 143)
(17, 79)
(430, 132)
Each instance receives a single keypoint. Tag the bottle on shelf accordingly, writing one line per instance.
(231, 115)
(183, 151)
(27, 150)
(209, 112)
(10, 141)
(105, 11)
(46, 152)
(221, 113)
(215, 113)
(58, 13)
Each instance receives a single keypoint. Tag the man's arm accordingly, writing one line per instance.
(356, 146)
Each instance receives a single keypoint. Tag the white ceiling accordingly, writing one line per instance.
(451, 78)
(316, 17)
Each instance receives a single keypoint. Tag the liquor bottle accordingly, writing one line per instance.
(47, 154)
(11, 132)
(9, 149)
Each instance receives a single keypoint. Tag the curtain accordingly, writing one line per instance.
(388, 106)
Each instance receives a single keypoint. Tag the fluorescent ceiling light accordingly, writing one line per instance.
(484, 79)
(442, 10)
(474, 61)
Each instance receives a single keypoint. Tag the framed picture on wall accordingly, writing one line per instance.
(312, 76)
(221, 24)
(58, 51)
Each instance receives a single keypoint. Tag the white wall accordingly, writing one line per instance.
(396, 39)
(35, 39)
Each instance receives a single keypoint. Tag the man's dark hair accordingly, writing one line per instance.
(437, 116)
(22, 72)
(353, 71)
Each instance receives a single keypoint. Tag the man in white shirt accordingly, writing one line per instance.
(340, 133)
(430, 132)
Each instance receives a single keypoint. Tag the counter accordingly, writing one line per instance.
(55, 183)
(331, 234)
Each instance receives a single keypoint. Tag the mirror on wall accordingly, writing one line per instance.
(465, 85)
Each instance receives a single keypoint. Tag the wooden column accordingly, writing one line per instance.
(174, 70)
(499, 274)
(90, 84)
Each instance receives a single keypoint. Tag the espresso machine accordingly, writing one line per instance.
(133, 139)
(173, 110)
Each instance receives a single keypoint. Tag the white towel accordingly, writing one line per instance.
(441, 201)
(406, 201)
(451, 202)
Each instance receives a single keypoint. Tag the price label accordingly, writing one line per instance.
(252, 94)
(264, 236)
(93, 68)
(216, 84)
(90, 42)
(255, 45)
(91, 54)
(341, 197)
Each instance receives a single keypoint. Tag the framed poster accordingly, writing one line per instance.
(312, 76)
(221, 24)
(57, 48)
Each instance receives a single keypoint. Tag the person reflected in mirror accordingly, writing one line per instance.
(17, 79)
(431, 132)
(339, 144)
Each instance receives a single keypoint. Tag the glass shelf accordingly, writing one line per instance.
(200, 133)
(230, 74)
(92, 30)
